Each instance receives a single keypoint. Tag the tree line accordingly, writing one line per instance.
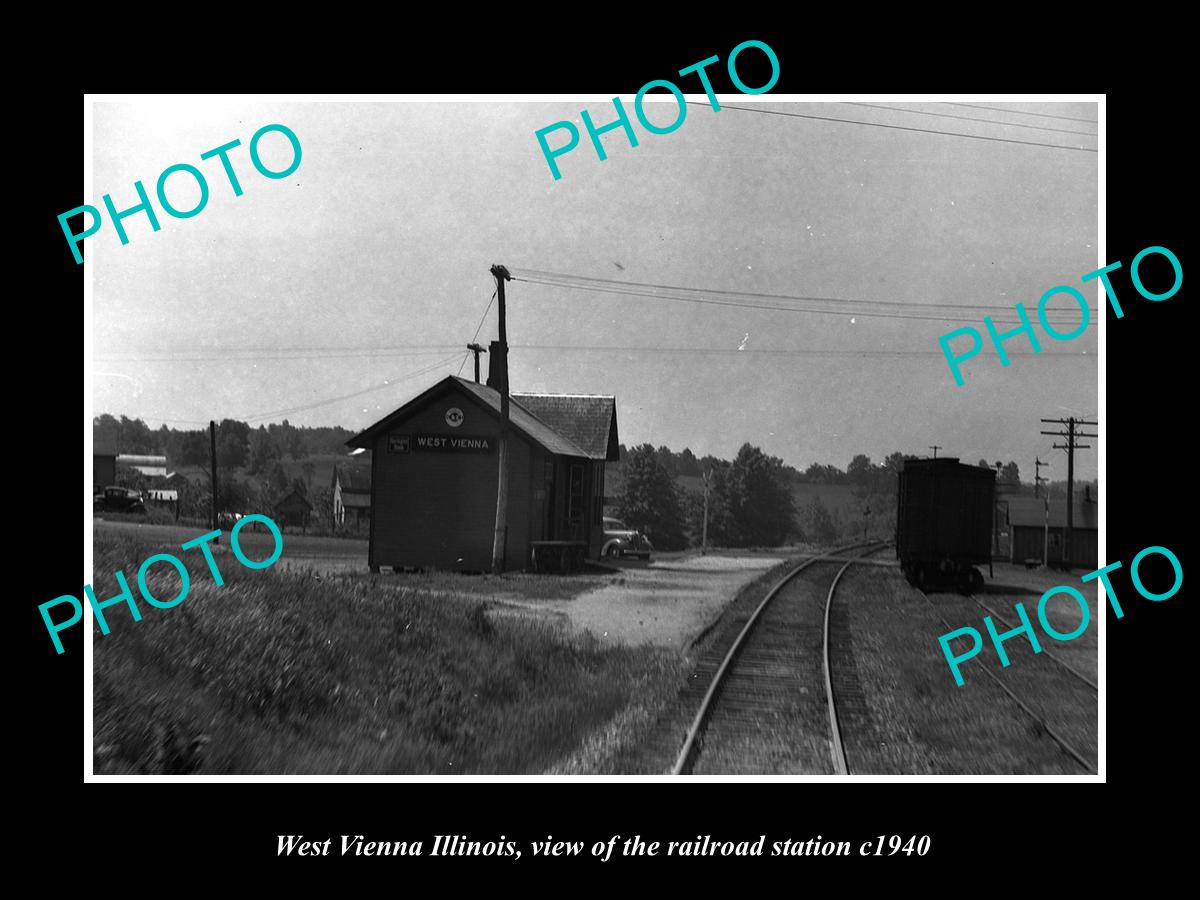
(751, 501)
(238, 444)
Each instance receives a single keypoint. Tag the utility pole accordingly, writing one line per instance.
(1037, 477)
(996, 512)
(1046, 533)
(212, 446)
(935, 448)
(498, 546)
(704, 527)
(1070, 446)
(476, 349)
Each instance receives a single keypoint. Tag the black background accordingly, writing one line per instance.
(991, 830)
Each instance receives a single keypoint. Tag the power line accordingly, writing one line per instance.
(771, 350)
(479, 327)
(1022, 112)
(974, 137)
(264, 354)
(921, 112)
(905, 304)
(622, 289)
(607, 348)
(378, 387)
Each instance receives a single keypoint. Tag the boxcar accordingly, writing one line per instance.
(944, 522)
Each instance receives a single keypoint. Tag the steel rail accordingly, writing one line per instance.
(697, 726)
(1055, 736)
(1069, 668)
(837, 746)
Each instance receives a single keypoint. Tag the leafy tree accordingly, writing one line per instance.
(231, 451)
(750, 501)
(687, 463)
(819, 526)
(666, 459)
(1010, 474)
(263, 450)
(277, 481)
(650, 499)
(188, 448)
(824, 474)
(859, 471)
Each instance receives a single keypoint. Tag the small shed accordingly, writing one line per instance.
(292, 508)
(1035, 528)
(104, 465)
(435, 474)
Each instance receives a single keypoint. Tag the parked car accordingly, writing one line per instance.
(119, 499)
(227, 519)
(620, 540)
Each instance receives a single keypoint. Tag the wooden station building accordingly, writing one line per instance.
(435, 470)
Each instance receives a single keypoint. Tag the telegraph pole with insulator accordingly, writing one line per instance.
(1070, 447)
(476, 349)
(498, 546)
(1037, 476)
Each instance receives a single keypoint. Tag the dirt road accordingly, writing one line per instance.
(667, 602)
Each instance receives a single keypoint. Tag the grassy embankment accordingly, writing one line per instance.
(289, 672)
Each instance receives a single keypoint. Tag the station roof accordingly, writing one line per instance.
(582, 425)
(1031, 512)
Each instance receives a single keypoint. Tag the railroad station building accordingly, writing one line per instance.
(435, 471)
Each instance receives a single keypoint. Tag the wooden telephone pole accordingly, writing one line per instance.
(476, 349)
(1070, 446)
(212, 446)
(501, 275)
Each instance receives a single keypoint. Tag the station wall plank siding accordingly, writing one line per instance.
(438, 509)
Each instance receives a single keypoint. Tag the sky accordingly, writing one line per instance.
(335, 295)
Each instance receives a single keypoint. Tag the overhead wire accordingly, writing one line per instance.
(974, 137)
(695, 295)
(767, 296)
(1021, 112)
(479, 327)
(922, 112)
(377, 387)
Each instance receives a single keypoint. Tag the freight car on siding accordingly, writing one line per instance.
(944, 522)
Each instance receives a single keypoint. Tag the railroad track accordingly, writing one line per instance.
(1045, 652)
(758, 714)
(1065, 745)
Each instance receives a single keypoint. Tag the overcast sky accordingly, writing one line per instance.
(370, 263)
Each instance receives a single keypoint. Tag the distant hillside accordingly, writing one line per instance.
(838, 498)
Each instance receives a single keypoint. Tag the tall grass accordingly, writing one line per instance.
(292, 672)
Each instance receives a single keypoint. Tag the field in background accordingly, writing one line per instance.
(291, 672)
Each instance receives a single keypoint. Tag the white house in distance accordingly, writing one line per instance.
(352, 493)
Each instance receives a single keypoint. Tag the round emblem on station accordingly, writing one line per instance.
(454, 417)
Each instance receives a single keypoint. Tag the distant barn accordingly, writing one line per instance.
(154, 466)
(293, 509)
